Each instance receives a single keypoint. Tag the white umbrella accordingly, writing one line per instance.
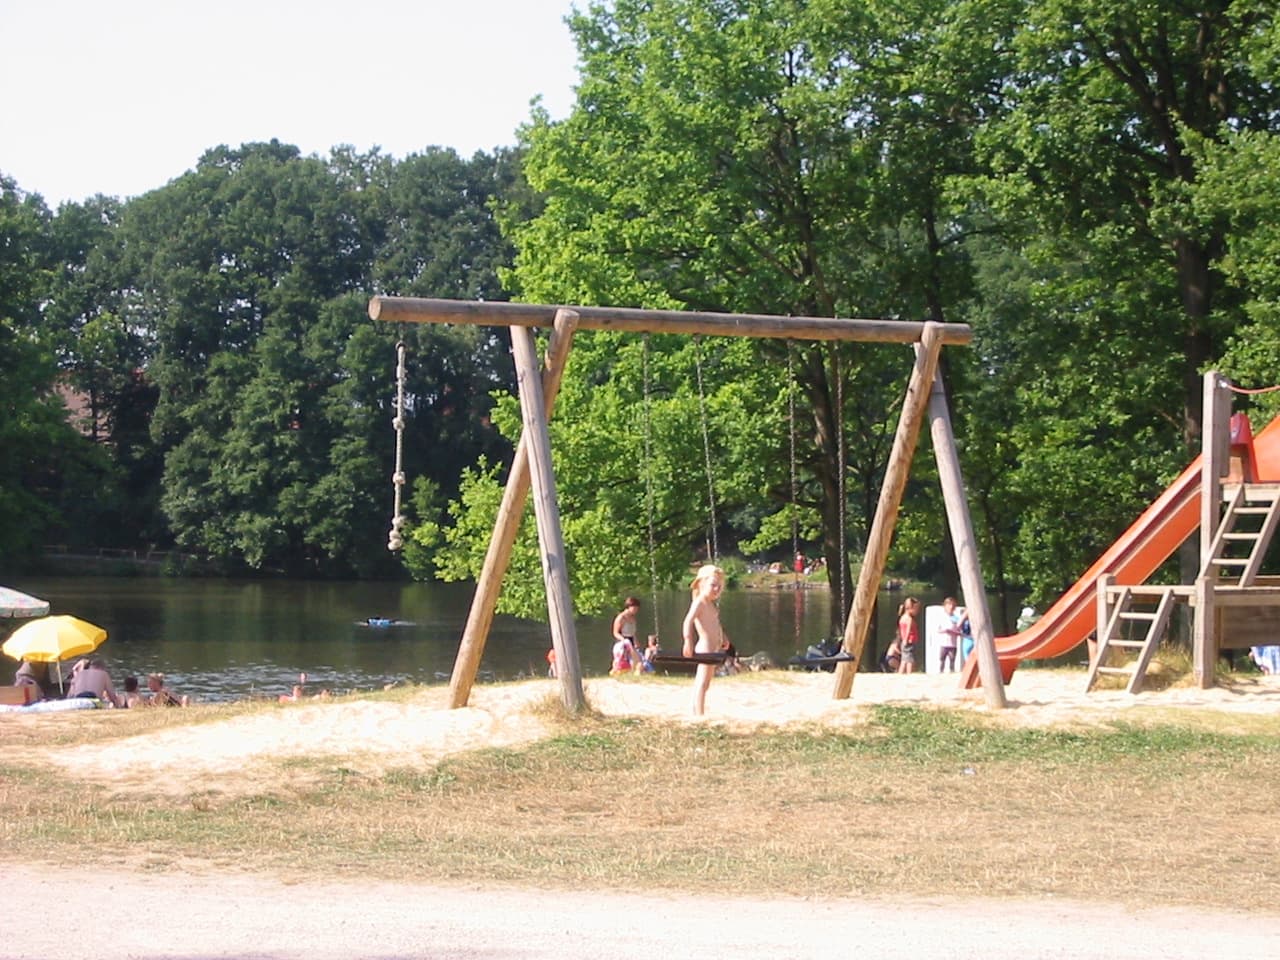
(15, 604)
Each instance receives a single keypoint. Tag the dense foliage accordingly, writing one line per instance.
(1091, 186)
(239, 395)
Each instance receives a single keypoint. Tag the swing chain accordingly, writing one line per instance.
(395, 540)
(648, 484)
(837, 367)
(795, 484)
(706, 448)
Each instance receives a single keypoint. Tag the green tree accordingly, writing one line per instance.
(250, 276)
(104, 357)
(1240, 185)
(54, 483)
(1096, 152)
(724, 156)
(235, 263)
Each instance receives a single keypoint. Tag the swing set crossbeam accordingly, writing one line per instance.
(631, 320)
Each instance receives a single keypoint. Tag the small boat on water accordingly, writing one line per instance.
(384, 622)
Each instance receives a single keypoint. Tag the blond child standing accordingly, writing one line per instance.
(701, 629)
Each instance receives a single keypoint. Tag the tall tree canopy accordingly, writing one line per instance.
(55, 485)
(1095, 158)
(1090, 186)
(218, 329)
(1028, 168)
(722, 156)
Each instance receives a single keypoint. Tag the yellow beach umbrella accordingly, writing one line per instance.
(48, 639)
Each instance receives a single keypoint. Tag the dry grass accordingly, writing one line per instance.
(1171, 666)
(930, 801)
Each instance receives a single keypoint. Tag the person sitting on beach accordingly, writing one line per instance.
(1267, 659)
(731, 663)
(651, 650)
(162, 696)
(28, 674)
(91, 681)
(132, 696)
(297, 692)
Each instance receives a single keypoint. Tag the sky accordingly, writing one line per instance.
(119, 97)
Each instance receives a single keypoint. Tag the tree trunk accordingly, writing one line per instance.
(1195, 281)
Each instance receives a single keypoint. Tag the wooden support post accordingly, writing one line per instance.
(1215, 461)
(1205, 634)
(507, 524)
(555, 572)
(966, 548)
(1215, 446)
(895, 481)
(1103, 617)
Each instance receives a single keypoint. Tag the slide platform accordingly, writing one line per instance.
(1136, 554)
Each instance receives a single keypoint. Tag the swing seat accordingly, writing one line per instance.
(674, 662)
(820, 663)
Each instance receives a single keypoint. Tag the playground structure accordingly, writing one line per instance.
(531, 465)
(1230, 496)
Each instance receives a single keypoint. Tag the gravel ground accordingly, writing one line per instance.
(113, 916)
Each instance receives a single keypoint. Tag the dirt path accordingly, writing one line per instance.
(202, 917)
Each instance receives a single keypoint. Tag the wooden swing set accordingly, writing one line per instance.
(532, 467)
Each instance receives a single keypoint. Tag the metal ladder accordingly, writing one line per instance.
(1141, 610)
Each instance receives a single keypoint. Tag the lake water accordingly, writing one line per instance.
(223, 639)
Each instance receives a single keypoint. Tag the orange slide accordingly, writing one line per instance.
(1135, 555)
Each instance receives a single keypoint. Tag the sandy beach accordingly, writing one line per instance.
(373, 735)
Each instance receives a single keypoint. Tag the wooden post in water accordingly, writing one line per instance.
(507, 525)
(895, 481)
(966, 547)
(555, 573)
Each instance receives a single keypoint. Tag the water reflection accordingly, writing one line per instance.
(220, 639)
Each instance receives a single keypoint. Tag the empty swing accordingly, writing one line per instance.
(829, 653)
(646, 413)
